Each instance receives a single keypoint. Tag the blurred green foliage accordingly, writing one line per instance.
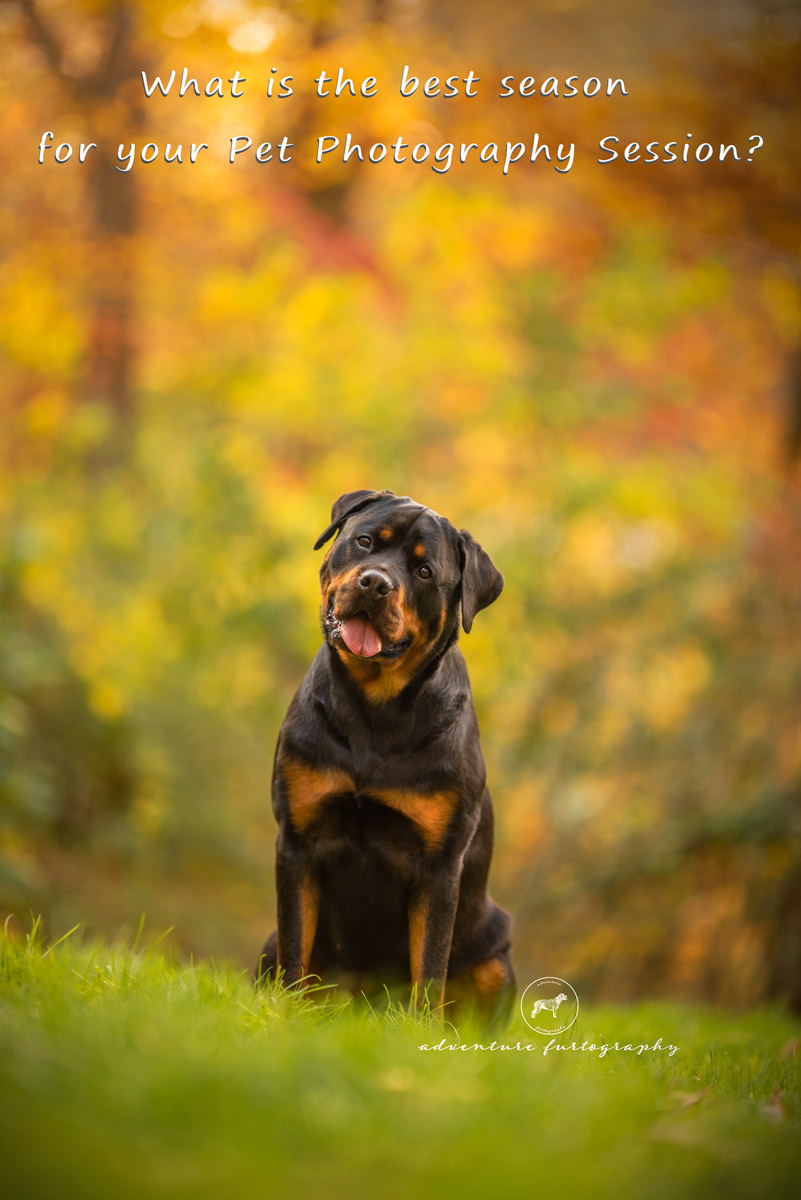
(584, 371)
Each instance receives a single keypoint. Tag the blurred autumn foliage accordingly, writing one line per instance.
(594, 372)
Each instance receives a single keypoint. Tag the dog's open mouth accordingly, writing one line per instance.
(357, 632)
(361, 636)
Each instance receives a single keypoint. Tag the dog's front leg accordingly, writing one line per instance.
(298, 896)
(432, 911)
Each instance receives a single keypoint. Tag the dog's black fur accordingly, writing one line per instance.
(379, 786)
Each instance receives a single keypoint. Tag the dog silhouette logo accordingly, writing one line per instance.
(549, 1005)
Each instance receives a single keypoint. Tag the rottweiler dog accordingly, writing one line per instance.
(379, 785)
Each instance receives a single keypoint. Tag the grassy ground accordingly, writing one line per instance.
(123, 1073)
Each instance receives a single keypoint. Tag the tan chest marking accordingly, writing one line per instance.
(430, 813)
(308, 789)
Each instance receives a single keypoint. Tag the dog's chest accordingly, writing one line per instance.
(367, 823)
(400, 822)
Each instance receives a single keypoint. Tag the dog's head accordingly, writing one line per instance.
(393, 584)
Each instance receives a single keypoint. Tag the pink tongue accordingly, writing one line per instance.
(360, 637)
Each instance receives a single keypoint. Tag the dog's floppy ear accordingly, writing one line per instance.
(482, 582)
(346, 506)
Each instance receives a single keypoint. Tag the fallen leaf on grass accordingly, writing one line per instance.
(776, 1110)
(693, 1135)
(679, 1134)
(687, 1099)
(788, 1049)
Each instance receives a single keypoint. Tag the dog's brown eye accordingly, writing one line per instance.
(365, 541)
(424, 572)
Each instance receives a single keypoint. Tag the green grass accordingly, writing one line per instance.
(123, 1073)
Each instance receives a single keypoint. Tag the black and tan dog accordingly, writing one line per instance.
(379, 786)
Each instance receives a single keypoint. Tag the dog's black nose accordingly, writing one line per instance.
(375, 584)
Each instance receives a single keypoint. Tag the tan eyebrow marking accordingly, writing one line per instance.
(385, 534)
(419, 550)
